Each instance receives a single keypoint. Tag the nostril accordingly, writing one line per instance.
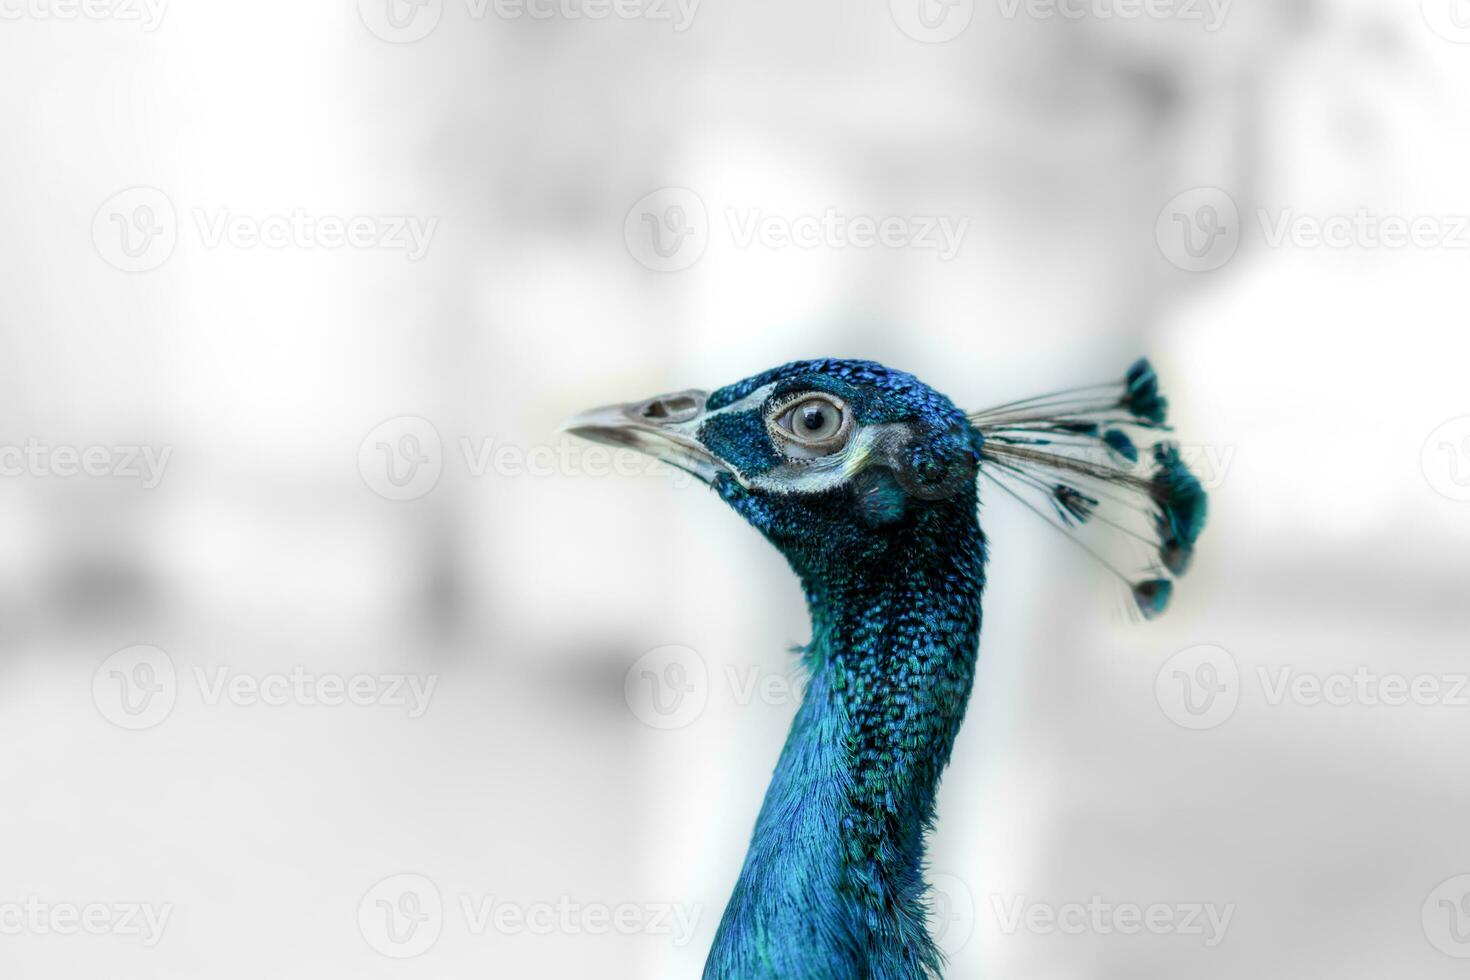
(672, 408)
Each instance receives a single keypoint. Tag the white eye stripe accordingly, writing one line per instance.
(868, 445)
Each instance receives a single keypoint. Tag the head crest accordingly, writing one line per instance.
(1073, 458)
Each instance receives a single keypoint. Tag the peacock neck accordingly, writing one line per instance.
(832, 883)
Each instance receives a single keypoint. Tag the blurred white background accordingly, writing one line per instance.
(272, 266)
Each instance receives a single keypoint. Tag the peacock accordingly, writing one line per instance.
(865, 479)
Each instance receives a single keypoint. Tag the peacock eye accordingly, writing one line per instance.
(813, 425)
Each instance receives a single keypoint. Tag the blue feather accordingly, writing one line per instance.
(1153, 596)
(1183, 505)
(1141, 395)
(1120, 445)
(886, 542)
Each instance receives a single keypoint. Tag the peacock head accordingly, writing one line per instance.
(844, 463)
(834, 461)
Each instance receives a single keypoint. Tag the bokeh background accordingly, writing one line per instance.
(359, 474)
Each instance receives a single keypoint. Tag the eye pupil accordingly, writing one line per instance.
(811, 426)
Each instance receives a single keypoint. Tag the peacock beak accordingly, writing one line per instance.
(664, 427)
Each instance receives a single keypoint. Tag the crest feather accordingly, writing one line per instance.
(1073, 457)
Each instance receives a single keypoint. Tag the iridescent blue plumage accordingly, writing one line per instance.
(1143, 398)
(1182, 506)
(832, 886)
(865, 479)
(1120, 445)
